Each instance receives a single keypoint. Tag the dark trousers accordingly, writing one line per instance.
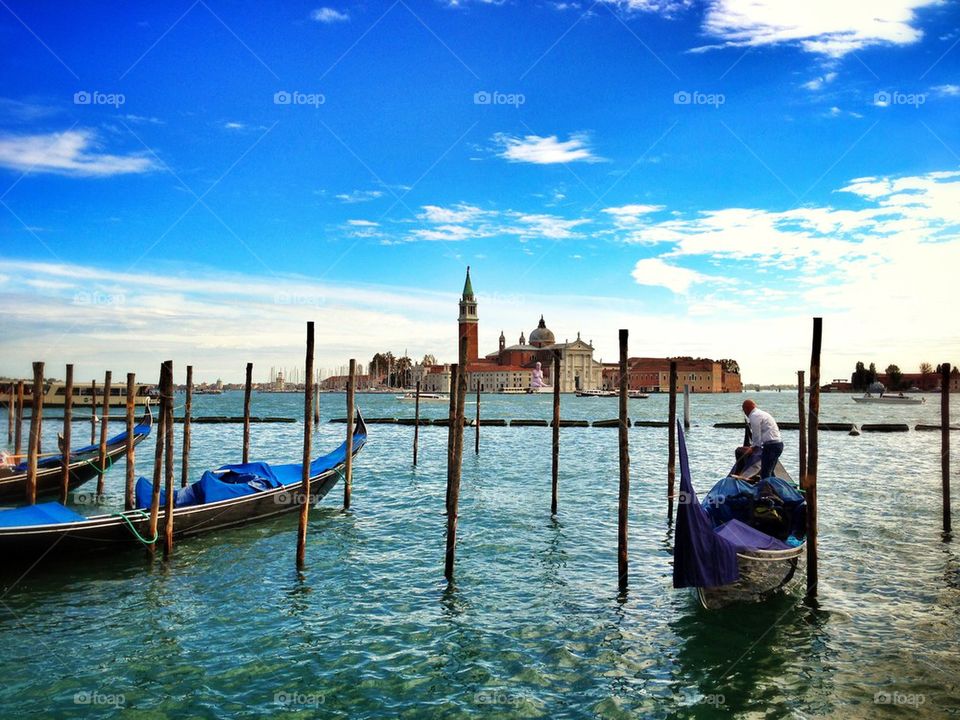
(768, 460)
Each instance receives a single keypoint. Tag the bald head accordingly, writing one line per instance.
(748, 407)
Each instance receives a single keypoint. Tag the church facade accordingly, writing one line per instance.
(513, 368)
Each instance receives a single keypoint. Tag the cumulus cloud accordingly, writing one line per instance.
(545, 150)
(328, 15)
(657, 273)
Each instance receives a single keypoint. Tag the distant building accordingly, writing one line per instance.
(512, 367)
(702, 375)
(339, 382)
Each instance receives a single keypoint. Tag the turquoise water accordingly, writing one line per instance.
(534, 626)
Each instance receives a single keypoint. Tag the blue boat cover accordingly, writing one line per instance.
(230, 481)
(42, 514)
(701, 557)
(745, 537)
(55, 460)
(732, 498)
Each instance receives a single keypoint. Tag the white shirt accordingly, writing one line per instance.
(763, 428)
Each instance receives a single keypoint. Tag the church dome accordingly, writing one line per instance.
(541, 335)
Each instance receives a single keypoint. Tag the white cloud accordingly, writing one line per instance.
(818, 82)
(359, 196)
(545, 150)
(68, 153)
(233, 126)
(824, 27)
(946, 90)
(657, 273)
(363, 223)
(329, 15)
(550, 227)
(455, 214)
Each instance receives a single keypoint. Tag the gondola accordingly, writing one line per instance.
(84, 466)
(748, 541)
(229, 496)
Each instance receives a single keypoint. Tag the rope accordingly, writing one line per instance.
(99, 471)
(143, 516)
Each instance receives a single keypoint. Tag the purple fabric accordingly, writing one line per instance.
(745, 537)
(701, 557)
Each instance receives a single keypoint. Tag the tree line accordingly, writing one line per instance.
(863, 377)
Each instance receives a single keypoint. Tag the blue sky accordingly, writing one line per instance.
(197, 179)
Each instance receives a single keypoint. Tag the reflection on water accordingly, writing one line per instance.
(534, 626)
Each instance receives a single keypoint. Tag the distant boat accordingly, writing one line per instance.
(207, 391)
(746, 544)
(632, 394)
(899, 399)
(424, 397)
(55, 395)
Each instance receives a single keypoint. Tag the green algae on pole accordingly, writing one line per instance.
(308, 416)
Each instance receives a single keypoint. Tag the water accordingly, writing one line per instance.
(534, 626)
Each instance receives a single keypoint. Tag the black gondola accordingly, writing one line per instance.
(83, 466)
(67, 532)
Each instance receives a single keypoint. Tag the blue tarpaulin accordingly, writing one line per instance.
(55, 460)
(42, 514)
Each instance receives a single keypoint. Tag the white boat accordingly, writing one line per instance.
(55, 393)
(883, 399)
(424, 396)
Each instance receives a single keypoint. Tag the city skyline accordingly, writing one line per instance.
(709, 179)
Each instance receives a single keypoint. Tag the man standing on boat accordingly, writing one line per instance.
(764, 436)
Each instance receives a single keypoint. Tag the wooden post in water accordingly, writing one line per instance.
(476, 444)
(451, 418)
(11, 402)
(316, 401)
(686, 406)
(945, 443)
(308, 399)
(555, 451)
(67, 430)
(187, 416)
(36, 414)
(246, 413)
(672, 441)
(802, 415)
(416, 424)
(453, 474)
(812, 457)
(93, 412)
(104, 418)
(168, 470)
(18, 444)
(348, 467)
(128, 487)
(158, 461)
(624, 500)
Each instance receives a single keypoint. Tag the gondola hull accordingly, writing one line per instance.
(762, 574)
(83, 468)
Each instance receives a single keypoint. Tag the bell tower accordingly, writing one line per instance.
(468, 320)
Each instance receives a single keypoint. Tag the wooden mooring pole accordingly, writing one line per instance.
(810, 488)
(672, 440)
(34, 440)
(348, 467)
(451, 418)
(104, 422)
(945, 444)
(308, 417)
(416, 424)
(316, 400)
(67, 431)
(246, 413)
(686, 406)
(11, 412)
(187, 416)
(476, 437)
(453, 474)
(623, 505)
(130, 474)
(93, 411)
(555, 450)
(168, 470)
(802, 416)
(18, 440)
(158, 462)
